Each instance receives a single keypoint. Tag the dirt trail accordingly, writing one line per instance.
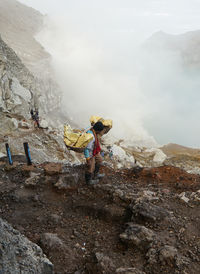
(79, 227)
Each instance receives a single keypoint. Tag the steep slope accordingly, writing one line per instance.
(18, 26)
(17, 84)
(18, 93)
(175, 149)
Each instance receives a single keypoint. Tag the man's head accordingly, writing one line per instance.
(98, 127)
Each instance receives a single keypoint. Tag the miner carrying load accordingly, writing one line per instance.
(87, 141)
(93, 156)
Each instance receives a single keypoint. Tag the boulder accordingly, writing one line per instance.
(68, 182)
(168, 255)
(51, 241)
(43, 124)
(138, 236)
(148, 196)
(8, 125)
(158, 155)
(183, 197)
(55, 219)
(20, 256)
(33, 180)
(148, 212)
(104, 264)
(123, 159)
(20, 91)
(24, 125)
(2, 155)
(54, 246)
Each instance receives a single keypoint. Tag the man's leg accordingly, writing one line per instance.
(38, 123)
(90, 166)
(98, 164)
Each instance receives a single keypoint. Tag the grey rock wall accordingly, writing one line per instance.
(18, 32)
(17, 84)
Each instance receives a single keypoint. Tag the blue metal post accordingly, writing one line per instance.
(27, 153)
(9, 154)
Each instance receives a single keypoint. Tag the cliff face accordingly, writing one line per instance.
(18, 26)
(26, 81)
(17, 84)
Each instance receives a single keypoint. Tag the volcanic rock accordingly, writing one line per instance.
(137, 235)
(19, 255)
(148, 212)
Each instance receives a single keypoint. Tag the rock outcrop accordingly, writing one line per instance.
(19, 255)
(18, 31)
(17, 84)
(18, 94)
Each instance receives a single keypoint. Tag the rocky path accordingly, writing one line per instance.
(133, 221)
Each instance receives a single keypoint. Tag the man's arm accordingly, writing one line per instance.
(88, 151)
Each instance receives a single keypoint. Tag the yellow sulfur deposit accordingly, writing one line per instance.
(75, 139)
(106, 123)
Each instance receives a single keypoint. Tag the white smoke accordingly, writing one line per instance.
(101, 70)
(95, 80)
(169, 79)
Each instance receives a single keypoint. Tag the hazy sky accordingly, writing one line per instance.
(174, 16)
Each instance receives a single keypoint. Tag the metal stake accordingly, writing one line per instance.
(9, 154)
(27, 153)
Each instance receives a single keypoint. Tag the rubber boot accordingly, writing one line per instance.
(98, 175)
(89, 180)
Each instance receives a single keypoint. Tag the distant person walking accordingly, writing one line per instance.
(35, 117)
(93, 156)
